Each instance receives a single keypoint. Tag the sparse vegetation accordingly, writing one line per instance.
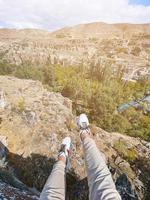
(122, 50)
(94, 91)
(60, 35)
(136, 51)
(21, 105)
(70, 124)
(128, 154)
(93, 39)
(5, 68)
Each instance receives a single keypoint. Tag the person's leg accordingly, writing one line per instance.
(101, 185)
(54, 188)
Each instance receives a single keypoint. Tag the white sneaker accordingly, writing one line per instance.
(83, 122)
(65, 147)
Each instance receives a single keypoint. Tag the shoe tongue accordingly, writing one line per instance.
(67, 145)
(64, 149)
(84, 125)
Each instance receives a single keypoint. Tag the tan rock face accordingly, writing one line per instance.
(34, 122)
(120, 45)
(33, 116)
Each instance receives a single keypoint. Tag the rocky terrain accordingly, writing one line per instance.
(120, 46)
(8, 192)
(32, 123)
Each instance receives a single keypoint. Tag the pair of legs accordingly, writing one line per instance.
(101, 185)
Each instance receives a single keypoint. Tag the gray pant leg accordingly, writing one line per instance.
(54, 188)
(101, 185)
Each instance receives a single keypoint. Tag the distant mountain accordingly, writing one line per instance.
(104, 30)
(120, 45)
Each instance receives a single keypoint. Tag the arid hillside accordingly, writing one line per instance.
(117, 45)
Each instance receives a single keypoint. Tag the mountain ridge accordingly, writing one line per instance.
(143, 28)
(93, 44)
(82, 24)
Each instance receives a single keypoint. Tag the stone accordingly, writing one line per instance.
(3, 102)
(30, 117)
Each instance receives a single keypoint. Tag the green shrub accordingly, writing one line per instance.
(29, 72)
(49, 75)
(128, 154)
(120, 146)
(5, 68)
(21, 105)
(131, 155)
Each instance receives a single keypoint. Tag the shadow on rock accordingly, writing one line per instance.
(79, 191)
(33, 171)
(125, 188)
